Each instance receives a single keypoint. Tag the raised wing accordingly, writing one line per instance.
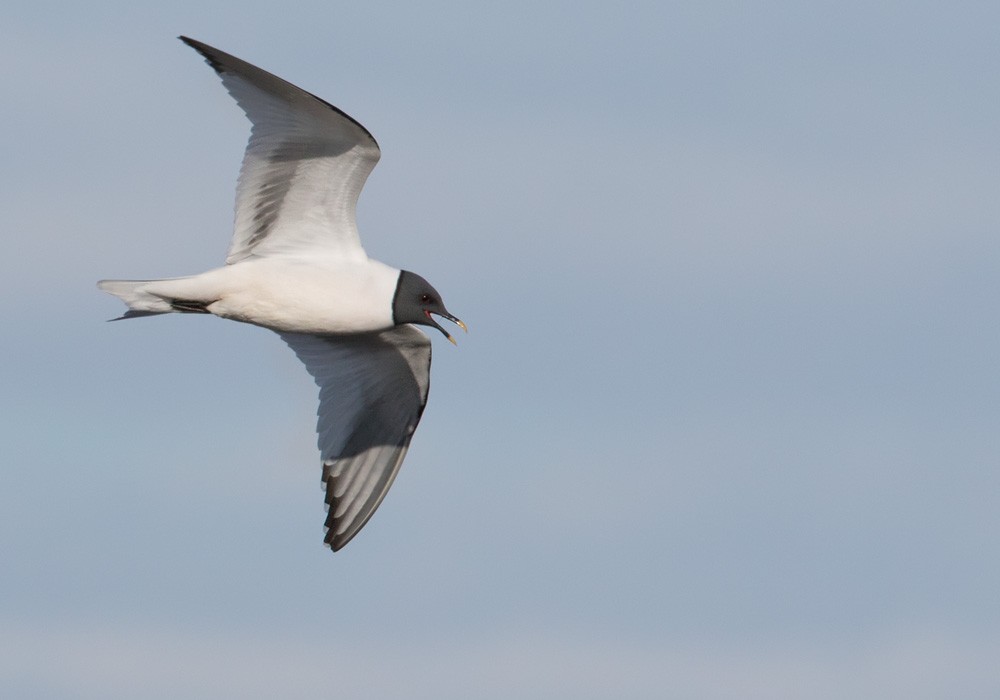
(303, 169)
(373, 388)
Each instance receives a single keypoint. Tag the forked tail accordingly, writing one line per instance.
(142, 302)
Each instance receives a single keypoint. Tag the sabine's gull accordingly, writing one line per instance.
(295, 265)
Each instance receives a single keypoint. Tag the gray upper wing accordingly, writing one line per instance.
(303, 169)
(373, 389)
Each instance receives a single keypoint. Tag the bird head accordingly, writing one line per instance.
(416, 300)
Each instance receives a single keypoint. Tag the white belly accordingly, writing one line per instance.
(308, 296)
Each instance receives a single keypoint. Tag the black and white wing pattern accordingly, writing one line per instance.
(303, 169)
(373, 389)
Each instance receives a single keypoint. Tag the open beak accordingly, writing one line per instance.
(453, 319)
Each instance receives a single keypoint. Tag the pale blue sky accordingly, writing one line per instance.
(724, 426)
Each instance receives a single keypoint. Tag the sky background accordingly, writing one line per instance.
(725, 424)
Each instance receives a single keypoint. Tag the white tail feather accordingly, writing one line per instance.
(133, 294)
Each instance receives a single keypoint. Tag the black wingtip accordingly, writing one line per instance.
(204, 49)
(333, 541)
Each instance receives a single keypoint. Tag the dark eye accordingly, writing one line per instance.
(426, 298)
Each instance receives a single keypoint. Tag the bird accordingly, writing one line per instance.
(296, 265)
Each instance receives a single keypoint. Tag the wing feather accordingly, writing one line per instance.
(373, 389)
(303, 170)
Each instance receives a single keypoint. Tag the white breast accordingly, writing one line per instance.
(303, 296)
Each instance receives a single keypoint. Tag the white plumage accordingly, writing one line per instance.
(296, 265)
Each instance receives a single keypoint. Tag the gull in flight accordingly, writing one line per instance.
(295, 265)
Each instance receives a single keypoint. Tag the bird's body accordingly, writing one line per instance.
(283, 294)
(296, 266)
